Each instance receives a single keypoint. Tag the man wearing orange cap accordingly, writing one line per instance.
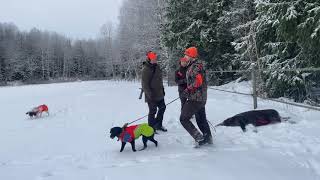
(196, 94)
(152, 85)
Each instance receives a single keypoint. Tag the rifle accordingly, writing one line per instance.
(141, 92)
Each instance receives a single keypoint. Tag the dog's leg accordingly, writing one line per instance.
(242, 124)
(144, 141)
(255, 129)
(151, 138)
(37, 115)
(122, 146)
(29, 115)
(133, 146)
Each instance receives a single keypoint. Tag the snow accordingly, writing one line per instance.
(316, 9)
(291, 13)
(314, 34)
(73, 143)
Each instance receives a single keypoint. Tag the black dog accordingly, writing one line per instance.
(256, 118)
(32, 114)
(127, 134)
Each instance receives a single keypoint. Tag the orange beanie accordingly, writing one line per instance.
(151, 55)
(191, 52)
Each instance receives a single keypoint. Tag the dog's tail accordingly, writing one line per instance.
(285, 118)
(220, 124)
(288, 119)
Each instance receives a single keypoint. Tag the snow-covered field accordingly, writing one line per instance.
(73, 144)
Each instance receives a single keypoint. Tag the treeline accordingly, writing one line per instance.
(230, 35)
(36, 55)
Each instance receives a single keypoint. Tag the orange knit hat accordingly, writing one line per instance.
(151, 55)
(191, 52)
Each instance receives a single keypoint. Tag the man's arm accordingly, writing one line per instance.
(179, 79)
(146, 78)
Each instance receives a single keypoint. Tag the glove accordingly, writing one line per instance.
(186, 93)
(180, 74)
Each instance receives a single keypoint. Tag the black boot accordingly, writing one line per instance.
(208, 138)
(202, 142)
(162, 129)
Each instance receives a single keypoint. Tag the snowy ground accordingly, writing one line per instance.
(72, 143)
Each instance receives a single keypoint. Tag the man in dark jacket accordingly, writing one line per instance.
(152, 85)
(181, 80)
(196, 94)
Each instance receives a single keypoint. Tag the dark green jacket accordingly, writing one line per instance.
(152, 83)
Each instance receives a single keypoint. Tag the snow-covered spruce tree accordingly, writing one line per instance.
(242, 17)
(138, 32)
(197, 23)
(287, 38)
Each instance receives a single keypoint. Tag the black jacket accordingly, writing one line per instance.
(180, 78)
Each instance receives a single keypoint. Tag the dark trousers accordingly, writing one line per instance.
(189, 109)
(158, 107)
(182, 99)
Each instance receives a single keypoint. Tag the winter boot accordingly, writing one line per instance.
(208, 138)
(199, 141)
(162, 129)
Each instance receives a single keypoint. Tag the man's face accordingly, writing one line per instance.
(153, 61)
(188, 58)
(184, 63)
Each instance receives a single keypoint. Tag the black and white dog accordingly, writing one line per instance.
(37, 111)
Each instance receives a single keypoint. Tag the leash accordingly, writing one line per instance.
(213, 127)
(148, 114)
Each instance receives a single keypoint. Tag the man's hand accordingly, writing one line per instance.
(186, 93)
(180, 74)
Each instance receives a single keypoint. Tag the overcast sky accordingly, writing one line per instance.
(73, 18)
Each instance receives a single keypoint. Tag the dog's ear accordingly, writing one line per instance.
(116, 130)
